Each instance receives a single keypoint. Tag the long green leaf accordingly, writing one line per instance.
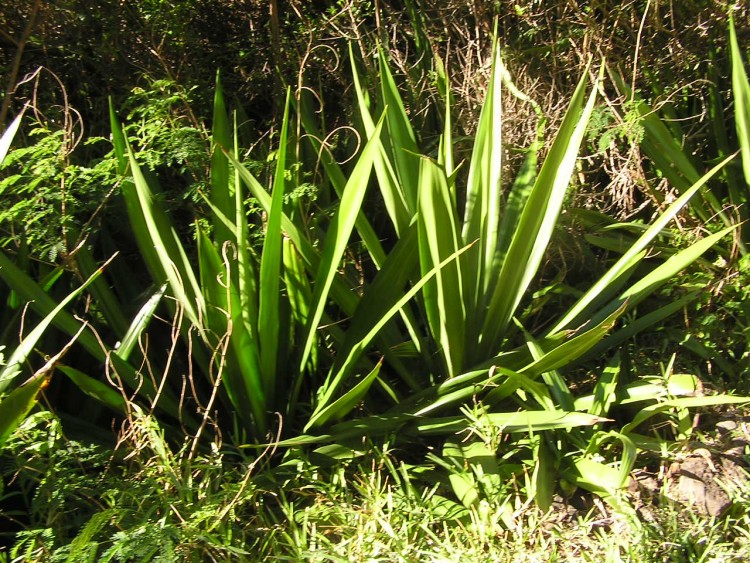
(221, 186)
(96, 389)
(29, 291)
(337, 238)
(511, 422)
(344, 404)
(15, 407)
(269, 295)
(537, 220)
(336, 379)
(6, 139)
(160, 233)
(393, 194)
(483, 190)
(139, 323)
(625, 263)
(24, 349)
(400, 139)
(240, 370)
(438, 238)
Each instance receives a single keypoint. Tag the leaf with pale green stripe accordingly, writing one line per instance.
(741, 95)
(537, 221)
(400, 139)
(634, 254)
(269, 294)
(511, 422)
(337, 238)
(483, 189)
(393, 194)
(438, 238)
(139, 323)
(160, 234)
(340, 292)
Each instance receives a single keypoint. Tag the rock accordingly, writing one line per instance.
(726, 426)
(697, 481)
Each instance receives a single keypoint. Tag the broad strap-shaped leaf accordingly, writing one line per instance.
(337, 238)
(342, 406)
(681, 403)
(634, 254)
(156, 237)
(139, 324)
(557, 387)
(390, 188)
(741, 95)
(537, 221)
(335, 175)
(629, 452)
(386, 289)
(16, 405)
(545, 476)
(439, 237)
(400, 141)
(30, 292)
(483, 190)
(111, 307)
(335, 379)
(558, 356)
(474, 471)
(237, 361)
(606, 386)
(135, 213)
(96, 389)
(340, 291)
(25, 348)
(222, 196)
(510, 422)
(6, 139)
(269, 294)
(161, 235)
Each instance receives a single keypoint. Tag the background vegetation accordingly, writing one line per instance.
(422, 280)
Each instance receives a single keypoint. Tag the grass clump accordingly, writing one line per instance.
(146, 503)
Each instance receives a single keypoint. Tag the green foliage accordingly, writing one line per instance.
(168, 137)
(45, 195)
(286, 310)
(85, 503)
(259, 322)
(605, 130)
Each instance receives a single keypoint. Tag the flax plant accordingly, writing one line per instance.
(268, 305)
(481, 246)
